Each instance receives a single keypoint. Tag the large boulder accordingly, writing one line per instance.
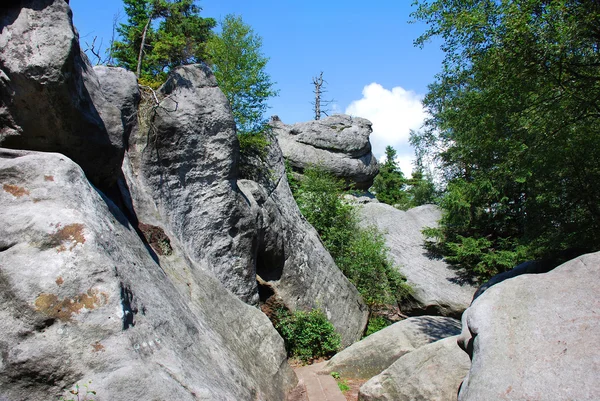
(182, 176)
(535, 337)
(339, 144)
(438, 287)
(294, 268)
(182, 169)
(377, 352)
(81, 299)
(50, 98)
(433, 372)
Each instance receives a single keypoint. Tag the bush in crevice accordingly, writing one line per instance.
(360, 253)
(307, 335)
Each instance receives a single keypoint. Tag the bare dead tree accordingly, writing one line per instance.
(318, 104)
(95, 52)
(109, 58)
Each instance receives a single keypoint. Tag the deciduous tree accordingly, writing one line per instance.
(235, 55)
(515, 123)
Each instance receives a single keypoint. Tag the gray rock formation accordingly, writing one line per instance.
(120, 87)
(377, 352)
(182, 174)
(82, 300)
(529, 267)
(438, 288)
(433, 372)
(338, 143)
(296, 270)
(49, 95)
(535, 337)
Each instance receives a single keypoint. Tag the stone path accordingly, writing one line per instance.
(313, 386)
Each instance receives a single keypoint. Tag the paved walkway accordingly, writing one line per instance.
(315, 386)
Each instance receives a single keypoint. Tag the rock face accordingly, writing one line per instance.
(438, 288)
(339, 144)
(433, 372)
(183, 172)
(295, 268)
(377, 352)
(535, 337)
(49, 95)
(182, 176)
(82, 299)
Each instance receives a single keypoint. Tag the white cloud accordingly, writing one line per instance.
(393, 114)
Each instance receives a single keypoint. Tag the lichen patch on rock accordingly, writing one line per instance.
(69, 235)
(64, 309)
(15, 190)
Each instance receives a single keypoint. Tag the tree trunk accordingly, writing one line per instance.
(140, 55)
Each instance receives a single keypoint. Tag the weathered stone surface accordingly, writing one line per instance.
(529, 267)
(49, 95)
(181, 172)
(377, 352)
(120, 87)
(81, 299)
(438, 288)
(535, 337)
(291, 260)
(338, 143)
(433, 372)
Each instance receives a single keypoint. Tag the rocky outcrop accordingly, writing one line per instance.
(295, 267)
(535, 337)
(339, 144)
(182, 174)
(433, 373)
(49, 95)
(438, 287)
(182, 171)
(83, 300)
(377, 352)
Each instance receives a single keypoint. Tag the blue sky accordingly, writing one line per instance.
(365, 50)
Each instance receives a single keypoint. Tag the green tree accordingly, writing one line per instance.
(359, 252)
(160, 35)
(239, 66)
(389, 185)
(514, 123)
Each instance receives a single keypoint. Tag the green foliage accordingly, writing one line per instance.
(515, 127)
(376, 323)
(320, 199)
(360, 253)
(254, 144)
(240, 69)
(390, 182)
(343, 385)
(307, 335)
(391, 187)
(178, 38)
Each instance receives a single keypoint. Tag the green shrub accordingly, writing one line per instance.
(254, 144)
(307, 335)
(376, 323)
(360, 253)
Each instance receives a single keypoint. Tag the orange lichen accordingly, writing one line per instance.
(48, 178)
(72, 233)
(59, 281)
(97, 347)
(14, 190)
(64, 309)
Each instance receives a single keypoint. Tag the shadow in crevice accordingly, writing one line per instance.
(438, 329)
(122, 210)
